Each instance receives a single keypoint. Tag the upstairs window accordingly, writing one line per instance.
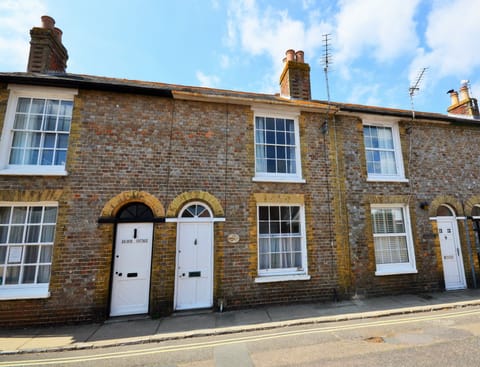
(277, 149)
(383, 153)
(36, 133)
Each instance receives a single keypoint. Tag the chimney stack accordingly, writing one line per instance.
(463, 104)
(47, 53)
(295, 78)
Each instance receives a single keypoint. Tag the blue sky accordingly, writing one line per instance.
(378, 47)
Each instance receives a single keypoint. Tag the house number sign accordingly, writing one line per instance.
(233, 238)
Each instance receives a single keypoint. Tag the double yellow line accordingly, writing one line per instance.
(237, 340)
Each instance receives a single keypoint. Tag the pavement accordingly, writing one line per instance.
(141, 329)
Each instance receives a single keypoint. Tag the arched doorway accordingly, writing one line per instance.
(194, 260)
(452, 260)
(132, 260)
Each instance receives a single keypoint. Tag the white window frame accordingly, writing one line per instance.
(284, 274)
(274, 176)
(397, 268)
(16, 92)
(27, 290)
(397, 147)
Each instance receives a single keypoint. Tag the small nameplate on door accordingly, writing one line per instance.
(194, 274)
(449, 257)
(132, 275)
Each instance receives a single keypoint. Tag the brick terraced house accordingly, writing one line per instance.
(121, 197)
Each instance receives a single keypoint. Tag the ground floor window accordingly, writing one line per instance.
(27, 234)
(281, 240)
(392, 238)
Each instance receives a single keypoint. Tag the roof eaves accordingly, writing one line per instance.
(86, 82)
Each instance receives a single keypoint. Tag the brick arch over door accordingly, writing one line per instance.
(445, 199)
(181, 200)
(470, 203)
(111, 208)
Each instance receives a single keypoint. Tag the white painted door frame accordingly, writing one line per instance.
(451, 251)
(132, 260)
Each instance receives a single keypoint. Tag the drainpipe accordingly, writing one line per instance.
(470, 255)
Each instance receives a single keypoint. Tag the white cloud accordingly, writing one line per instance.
(451, 40)
(16, 19)
(211, 81)
(269, 31)
(383, 29)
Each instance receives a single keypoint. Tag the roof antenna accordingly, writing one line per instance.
(326, 63)
(415, 88)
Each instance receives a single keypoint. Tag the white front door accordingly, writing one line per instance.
(453, 270)
(131, 269)
(194, 273)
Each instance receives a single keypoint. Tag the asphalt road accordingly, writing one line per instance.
(442, 338)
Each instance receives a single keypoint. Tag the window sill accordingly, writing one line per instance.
(392, 272)
(23, 293)
(387, 179)
(278, 179)
(32, 172)
(281, 278)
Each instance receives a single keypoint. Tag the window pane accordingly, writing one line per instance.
(270, 137)
(47, 157)
(64, 124)
(66, 108)
(60, 157)
(48, 233)
(16, 234)
(31, 156)
(263, 212)
(4, 214)
(35, 214)
(260, 123)
(38, 106)
(49, 141)
(23, 104)
(3, 255)
(16, 156)
(274, 227)
(274, 213)
(3, 234)
(33, 233)
(270, 151)
(43, 274)
(50, 215)
(20, 139)
(289, 125)
(46, 254)
(20, 122)
(13, 275)
(270, 123)
(31, 254)
(28, 274)
(52, 107)
(50, 123)
(35, 122)
(280, 124)
(282, 166)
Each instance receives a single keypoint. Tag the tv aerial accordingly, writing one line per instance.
(415, 88)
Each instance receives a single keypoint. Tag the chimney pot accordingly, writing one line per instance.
(464, 95)
(58, 34)
(48, 22)
(300, 56)
(453, 98)
(290, 55)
